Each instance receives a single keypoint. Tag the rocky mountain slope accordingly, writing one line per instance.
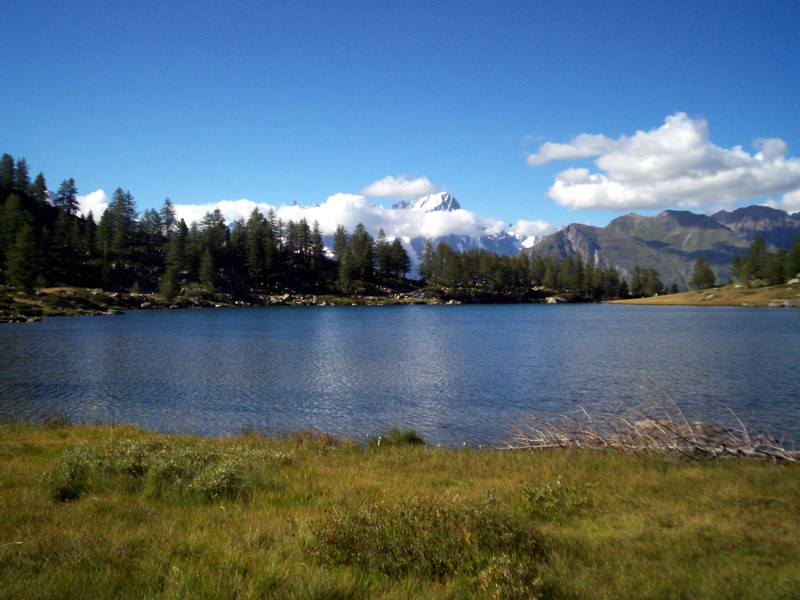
(671, 241)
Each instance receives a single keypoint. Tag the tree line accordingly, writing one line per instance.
(43, 241)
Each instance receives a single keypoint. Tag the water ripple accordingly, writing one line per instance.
(456, 374)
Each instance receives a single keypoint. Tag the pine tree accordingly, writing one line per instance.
(400, 261)
(123, 215)
(7, 171)
(776, 268)
(214, 231)
(22, 178)
(256, 248)
(361, 253)
(12, 218)
(67, 196)
(208, 272)
(383, 254)
(24, 260)
(702, 275)
(339, 242)
(736, 266)
(755, 263)
(793, 259)
(39, 189)
(168, 286)
(317, 248)
(426, 266)
(168, 219)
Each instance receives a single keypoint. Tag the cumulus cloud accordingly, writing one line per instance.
(399, 188)
(673, 165)
(583, 146)
(790, 202)
(530, 229)
(351, 209)
(96, 203)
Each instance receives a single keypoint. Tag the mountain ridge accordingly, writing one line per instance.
(671, 241)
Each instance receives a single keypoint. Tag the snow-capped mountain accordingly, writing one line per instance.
(504, 242)
(430, 203)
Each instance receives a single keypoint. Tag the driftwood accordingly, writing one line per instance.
(656, 424)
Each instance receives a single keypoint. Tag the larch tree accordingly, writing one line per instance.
(702, 275)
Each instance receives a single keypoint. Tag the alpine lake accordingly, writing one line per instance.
(458, 375)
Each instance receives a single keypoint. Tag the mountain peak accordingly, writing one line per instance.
(430, 203)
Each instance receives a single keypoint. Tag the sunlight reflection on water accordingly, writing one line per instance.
(456, 374)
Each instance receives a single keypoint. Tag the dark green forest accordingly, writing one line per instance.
(44, 242)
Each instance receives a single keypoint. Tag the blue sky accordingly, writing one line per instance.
(521, 110)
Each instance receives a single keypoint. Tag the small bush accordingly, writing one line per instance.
(434, 538)
(398, 437)
(69, 478)
(223, 479)
(162, 469)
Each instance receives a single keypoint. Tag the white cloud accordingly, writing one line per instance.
(96, 203)
(399, 188)
(790, 202)
(583, 146)
(532, 228)
(674, 165)
(350, 210)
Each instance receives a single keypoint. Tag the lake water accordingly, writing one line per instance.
(457, 374)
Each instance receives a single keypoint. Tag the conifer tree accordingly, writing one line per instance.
(22, 180)
(12, 218)
(426, 267)
(39, 189)
(168, 219)
(168, 286)
(67, 196)
(7, 171)
(339, 242)
(382, 253)
(24, 260)
(793, 259)
(400, 262)
(208, 272)
(702, 275)
(317, 248)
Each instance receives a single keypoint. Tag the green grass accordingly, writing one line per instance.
(726, 295)
(117, 512)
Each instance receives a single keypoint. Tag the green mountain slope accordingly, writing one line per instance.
(668, 242)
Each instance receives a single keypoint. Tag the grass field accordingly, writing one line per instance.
(117, 512)
(726, 295)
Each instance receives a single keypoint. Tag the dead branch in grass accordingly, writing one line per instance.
(658, 423)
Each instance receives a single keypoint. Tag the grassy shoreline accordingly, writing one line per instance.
(310, 516)
(726, 295)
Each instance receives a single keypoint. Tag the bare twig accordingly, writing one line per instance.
(657, 424)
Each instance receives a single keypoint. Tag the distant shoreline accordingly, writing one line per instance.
(16, 306)
(776, 296)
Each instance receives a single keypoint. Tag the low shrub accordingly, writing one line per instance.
(398, 437)
(198, 470)
(70, 477)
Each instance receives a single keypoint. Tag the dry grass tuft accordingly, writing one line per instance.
(658, 423)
